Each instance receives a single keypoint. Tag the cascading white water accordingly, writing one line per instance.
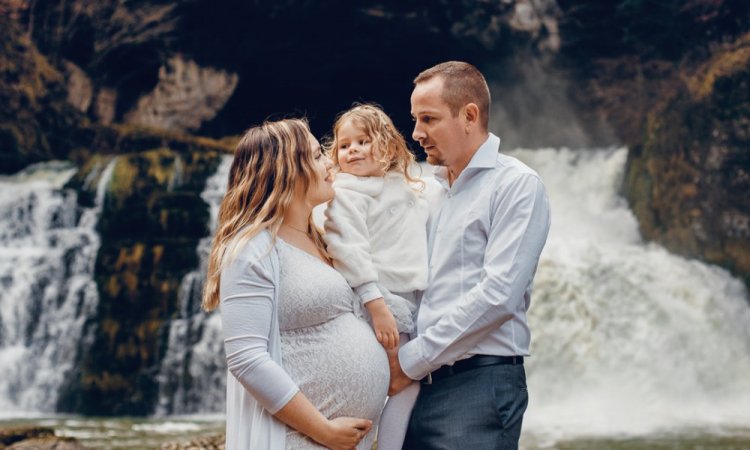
(193, 372)
(627, 339)
(47, 257)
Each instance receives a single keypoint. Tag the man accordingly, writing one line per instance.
(485, 234)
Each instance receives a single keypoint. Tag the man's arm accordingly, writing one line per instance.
(518, 232)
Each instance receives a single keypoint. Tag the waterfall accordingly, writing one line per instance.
(193, 372)
(627, 339)
(47, 257)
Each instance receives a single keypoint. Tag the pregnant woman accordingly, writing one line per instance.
(306, 372)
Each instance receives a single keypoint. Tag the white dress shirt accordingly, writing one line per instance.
(485, 235)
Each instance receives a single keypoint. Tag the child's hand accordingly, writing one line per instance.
(383, 323)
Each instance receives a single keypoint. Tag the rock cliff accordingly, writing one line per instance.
(672, 80)
(89, 81)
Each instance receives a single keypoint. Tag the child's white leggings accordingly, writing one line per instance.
(396, 414)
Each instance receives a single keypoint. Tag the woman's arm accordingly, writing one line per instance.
(340, 433)
(247, 302)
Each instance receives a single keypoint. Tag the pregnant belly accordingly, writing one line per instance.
(339, 366)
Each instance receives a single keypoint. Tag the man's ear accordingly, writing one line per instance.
(471, 115)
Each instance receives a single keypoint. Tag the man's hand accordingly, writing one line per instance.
(399, 380)
(383, 323)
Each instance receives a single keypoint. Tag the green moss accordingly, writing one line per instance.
(134, 138)
(86, 180)
(723, 65)
(152, 220)
(689, 169)
(34, 101)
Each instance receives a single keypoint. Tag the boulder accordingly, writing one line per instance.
(48, 443)
(215, 442)
(185, 96)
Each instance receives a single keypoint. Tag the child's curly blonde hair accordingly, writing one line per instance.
(386, 139)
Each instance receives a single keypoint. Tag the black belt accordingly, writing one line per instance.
(474, 362)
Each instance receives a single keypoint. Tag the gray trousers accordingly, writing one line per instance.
(478, 409)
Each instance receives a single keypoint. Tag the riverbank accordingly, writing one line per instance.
(126, 433)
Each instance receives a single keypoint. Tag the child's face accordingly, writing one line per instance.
(357, 154)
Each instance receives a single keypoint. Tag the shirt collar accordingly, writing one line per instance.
(484, 158)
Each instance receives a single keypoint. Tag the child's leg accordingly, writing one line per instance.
(395, 417)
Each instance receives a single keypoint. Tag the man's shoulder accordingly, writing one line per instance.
(509, 168)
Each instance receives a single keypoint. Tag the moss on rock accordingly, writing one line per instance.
(688, 179)
(36, 122)
(150, 225)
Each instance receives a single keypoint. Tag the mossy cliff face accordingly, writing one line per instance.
(673, 80)
(150, 225)
(36, 122)
(689, 180)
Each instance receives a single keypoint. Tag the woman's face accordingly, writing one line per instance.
(322, 190)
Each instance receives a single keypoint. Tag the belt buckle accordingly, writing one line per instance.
(427, 379)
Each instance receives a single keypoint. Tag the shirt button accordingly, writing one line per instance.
(411, 203)
(392, 210)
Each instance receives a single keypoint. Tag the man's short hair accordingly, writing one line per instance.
(462, 84)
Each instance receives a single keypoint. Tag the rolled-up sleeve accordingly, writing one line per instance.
(247, 304)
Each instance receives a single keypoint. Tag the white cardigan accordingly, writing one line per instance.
(257, 385)
(376, 233)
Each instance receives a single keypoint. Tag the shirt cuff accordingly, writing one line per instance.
(368, 292)
(411, 360)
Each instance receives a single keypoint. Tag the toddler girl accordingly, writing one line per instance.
(376, 234)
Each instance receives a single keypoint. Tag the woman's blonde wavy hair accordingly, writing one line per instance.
(270, 161)
(376, 124)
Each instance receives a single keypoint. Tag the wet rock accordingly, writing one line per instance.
(36, 121)
(152, 219)
(105, 105)
(48, 443)
(688, 182)
(12, 435)
(674, 87)
(80, 88)
(185, 96)
(215, 442)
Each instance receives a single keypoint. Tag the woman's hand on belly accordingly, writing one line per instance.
(346, 432)
(341, 433)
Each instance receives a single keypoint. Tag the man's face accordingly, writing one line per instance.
(440, 134)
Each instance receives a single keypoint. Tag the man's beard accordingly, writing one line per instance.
(435, 160)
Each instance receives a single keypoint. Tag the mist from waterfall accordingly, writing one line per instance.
(627, 338)
(48, 247)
